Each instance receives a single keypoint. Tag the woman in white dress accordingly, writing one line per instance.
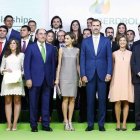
(12, 61)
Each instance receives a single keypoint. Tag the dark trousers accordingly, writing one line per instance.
(91, 95)
(137, 104)
(83, 103)
(2, 103)
(35, 92)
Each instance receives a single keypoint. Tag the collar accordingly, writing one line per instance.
(55, 30)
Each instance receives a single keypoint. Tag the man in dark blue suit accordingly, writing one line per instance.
(96, 70)
(3, 42)
(39, 68)
(8, 21)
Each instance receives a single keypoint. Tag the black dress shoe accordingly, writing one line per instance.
(46, 128)
(34, 129)
(124, 129)
(136, 128)
(118, 129)
(101, 128)
(89, 128)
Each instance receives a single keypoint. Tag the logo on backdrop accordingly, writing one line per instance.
(100, 8)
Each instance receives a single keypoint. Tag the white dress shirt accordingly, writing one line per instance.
(40, 47)
(96, 40)
(3, 44)
(56, 31)
(27, 41)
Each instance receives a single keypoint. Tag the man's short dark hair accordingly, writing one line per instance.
(26, 26)
(61, 31)
(138, 25)
(87, 30)
(32, 21)
(90, 18)
(8, 16)
(109, 28)
(5, 27)
(97, 20)
(61, 26)
(131, 31)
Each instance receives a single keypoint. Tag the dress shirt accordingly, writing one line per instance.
(3, 44)
(96, 40)
(27, 41)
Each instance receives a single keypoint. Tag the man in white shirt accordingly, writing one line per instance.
(32, 24)
(25, 32)
(56, 25)
(3, 33)
(96, 70)
(8, 21)
(61, 38)
(130, 36)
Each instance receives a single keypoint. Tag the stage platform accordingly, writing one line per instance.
(24, 133)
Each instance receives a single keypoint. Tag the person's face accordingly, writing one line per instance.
(32, 25)
(86, 34)
(60, 36)
(110, 33)
(89, 24)
(56, 23)
(24, 32)
(50, 38)
(68, 40)
(75, 26)
(3, 33)
(122, 42)
(121, 29)
(130, 36)
(9, 22)
(96, 27)
(13, 45)
(41, 35)
(139, 30)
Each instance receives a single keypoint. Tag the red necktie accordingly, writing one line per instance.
(1, 47)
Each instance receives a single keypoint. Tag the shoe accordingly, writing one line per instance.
(34, 129)
(136, 128)
(47, 128)
(66, 126)
(71, 126)
(124, 129)
(14, 129)
(101, 128)
(118, 129)
(8, 129)
(89, 128)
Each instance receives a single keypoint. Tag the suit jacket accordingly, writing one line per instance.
(135, 44)
(1, 56)
(101, 33)
(135, 64)
(30, 42)
(115, 47)
(89, 62)
(35, 68)
(15, 34)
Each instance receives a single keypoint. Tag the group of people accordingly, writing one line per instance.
(106, 66)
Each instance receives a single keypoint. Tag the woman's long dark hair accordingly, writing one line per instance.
(8, 50)
(79, 40)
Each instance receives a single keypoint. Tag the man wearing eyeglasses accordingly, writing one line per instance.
(8, 21)
(109, 31)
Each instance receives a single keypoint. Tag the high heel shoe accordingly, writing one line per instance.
(66, 126)
(8, 129)
(71, 126)
(14, 129)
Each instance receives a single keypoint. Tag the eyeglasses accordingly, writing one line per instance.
(9, 20)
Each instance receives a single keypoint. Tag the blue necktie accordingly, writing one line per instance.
(130, 46)
(8, 35)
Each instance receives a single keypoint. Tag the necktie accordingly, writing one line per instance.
(8, 35)
(95, 45)
(24, 46)
(130, 46)
(0, 47)
(55, 35)
(31, 38)
(43, 52)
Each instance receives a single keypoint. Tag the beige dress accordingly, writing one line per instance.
(121, 87)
